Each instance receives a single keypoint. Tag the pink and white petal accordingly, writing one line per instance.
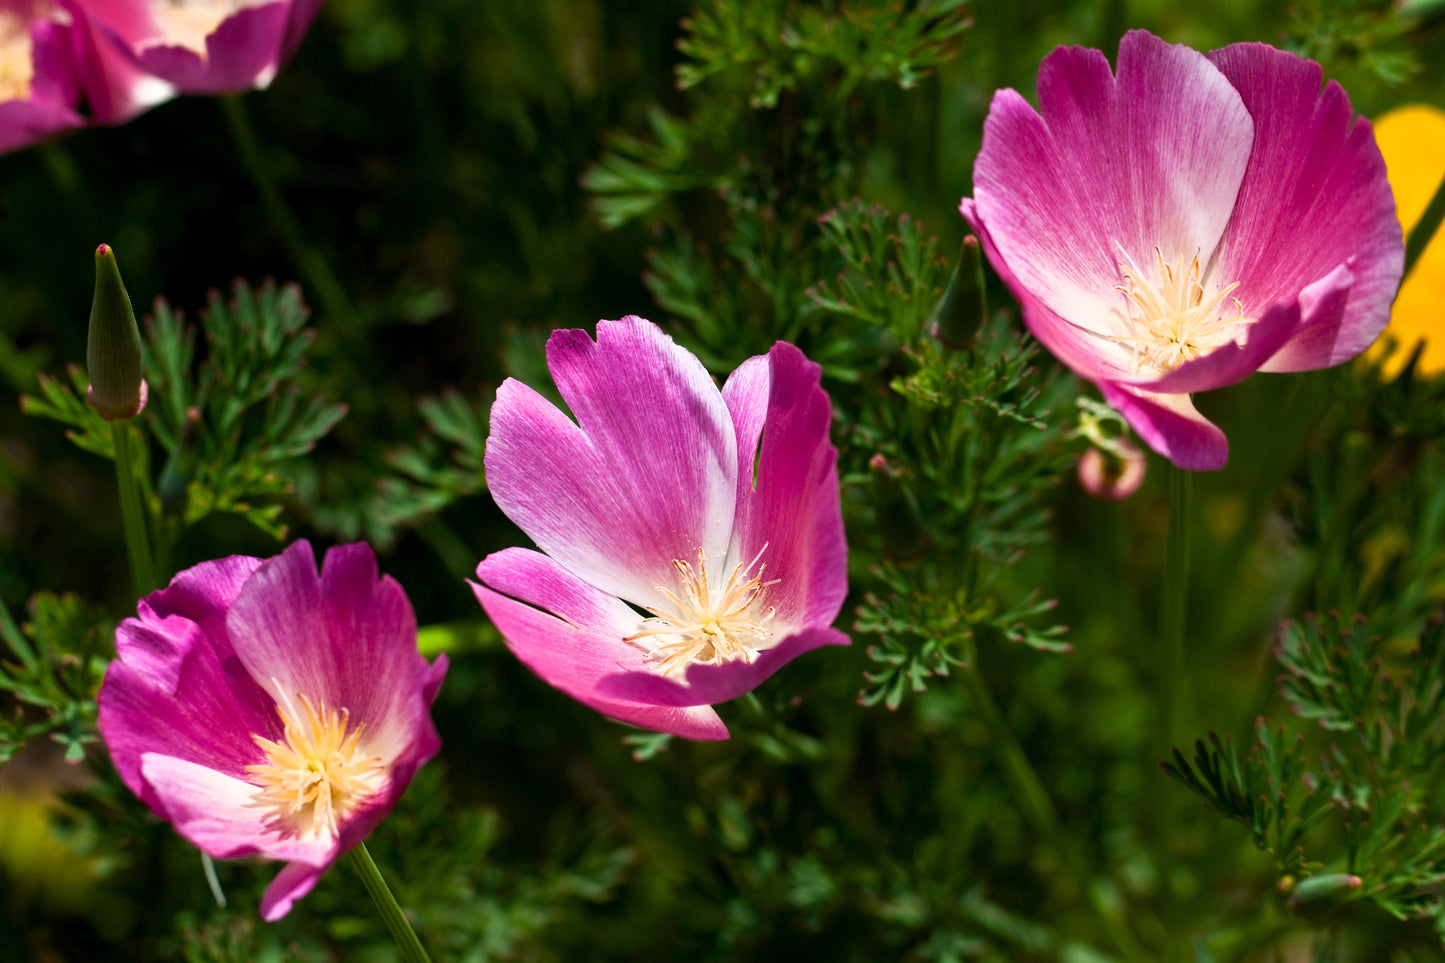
(712, 684)
(1231, 363)
(331, 637)
(1315, 197)
(572, 636)
(104, 34)
(1171, 426)
(293, 882)
(646, 475)
(1085, 352)
(219, 814)
(242, 53)
(55, 81)
(789, 511)
(1110, 167)
(203, 710)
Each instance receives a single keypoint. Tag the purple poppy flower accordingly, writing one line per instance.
(1177, 225)
(39, 82)
(190, 46)
(693, 538)
(262, 709)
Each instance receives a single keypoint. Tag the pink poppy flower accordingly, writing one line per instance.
(693, 537)
(1186, 221)
(190, 46)
(39, 82)
(262, 709)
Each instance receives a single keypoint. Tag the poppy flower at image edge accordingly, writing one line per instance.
(264, 709)
(1181, 223)
(691, 539)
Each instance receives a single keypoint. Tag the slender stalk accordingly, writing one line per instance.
(132, 512)
(1173, 607)
(1425, 228)
(310, 262)
(386, 904)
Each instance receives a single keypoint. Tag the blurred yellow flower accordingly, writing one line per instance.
(1412, 138)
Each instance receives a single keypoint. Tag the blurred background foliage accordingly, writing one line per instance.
(476, 174)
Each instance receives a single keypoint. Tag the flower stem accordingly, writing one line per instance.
(386, 904)
(310, 262)
(1425, 228)
(1173, 607)
(132, 512)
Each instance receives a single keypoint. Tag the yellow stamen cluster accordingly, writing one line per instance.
(318, 774)
(704, 629)
(17, 66)
(1173, 320)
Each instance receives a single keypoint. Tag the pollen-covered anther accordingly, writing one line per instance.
(318, 773)
(1172, 322)
(705, 626)
(17, 68)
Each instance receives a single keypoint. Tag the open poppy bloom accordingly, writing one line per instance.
(191, 46)
(263, 709)
(39, 82)
(693, 538)
(1186, 221)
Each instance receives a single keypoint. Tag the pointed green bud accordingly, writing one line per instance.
(961, 311)
(112, 351)
(1318, 896)
(899, 520)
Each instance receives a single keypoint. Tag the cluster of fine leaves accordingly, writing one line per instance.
(1362, 805)
(229, 423)
(52, 666)
(957, 455)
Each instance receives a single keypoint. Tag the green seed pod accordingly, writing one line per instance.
(112, 352)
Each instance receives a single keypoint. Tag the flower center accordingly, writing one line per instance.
(16, 64)
(705, 625)
(1172, 322)
(187, 23)
(317, 775)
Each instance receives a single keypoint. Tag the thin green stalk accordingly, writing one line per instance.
(1425, 228)
(386, 904)
(1173, 607)
(132, 513)
(311, 263)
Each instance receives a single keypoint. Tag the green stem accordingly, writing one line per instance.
(386, 904)
(1173, 607)
(132, 512)
(1425, 228)
(310, 262)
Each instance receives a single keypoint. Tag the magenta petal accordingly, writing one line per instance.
(242, 53)
(293, 882)
(1315, 197)
(298, 21)
(331, 637)
(571, 635)
(1171, 426)
(788, 503)
(646, 475)
(710, 684)
(1110, 167)
(219, 815)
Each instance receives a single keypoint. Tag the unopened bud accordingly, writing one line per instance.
(1318, 896)
(960, 312)
(899, 520)
(112, 352)
(1113, 474)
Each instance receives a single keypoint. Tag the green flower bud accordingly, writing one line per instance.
(1318, 896)
(961, 311)
(112, 352)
